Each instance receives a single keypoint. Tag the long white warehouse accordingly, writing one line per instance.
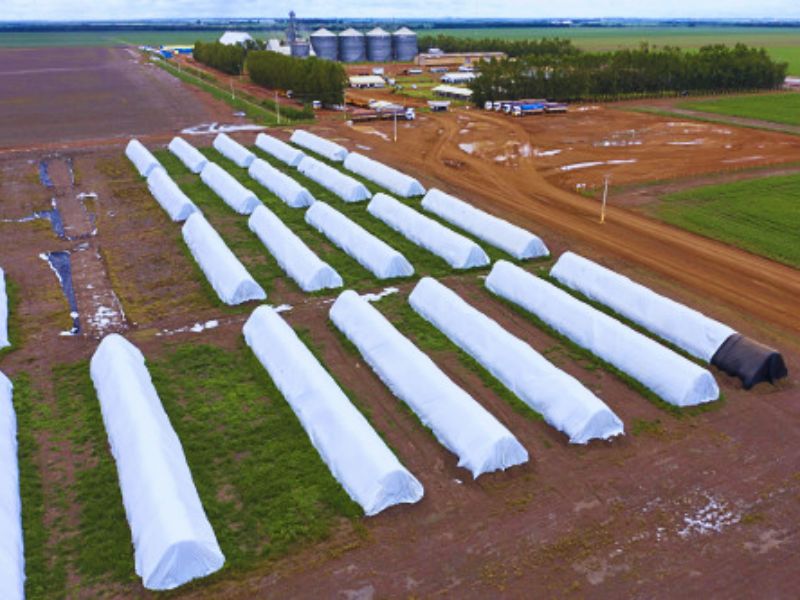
(458, 421)
(279, 149)
(172, 538)
(673, 378)
(141, 158)
(393, 180)
(233, 150)
(373, 254)
(460, 252)
(225, 185)
(344, 186)
(280, 184)
(190, 156)
(171, 198)
(320, 145)
(12, 556)
(4, 341)
(517, 242)
(228, 276)
(696, 333)
(355, 454)
(291, 253)
(560, 398)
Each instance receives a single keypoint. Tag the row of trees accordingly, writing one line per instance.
(513, 48)
(228, 58)
(308, 78)
(624, 73)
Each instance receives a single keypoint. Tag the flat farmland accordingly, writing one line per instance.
(777, 108)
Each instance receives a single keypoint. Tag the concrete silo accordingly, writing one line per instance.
(405, 44)
(300, 48)
(379, 45)
(325, 44)
(352, 47)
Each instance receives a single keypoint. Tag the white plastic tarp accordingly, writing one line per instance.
(699, 335)
(190, 156)
(373, 254)
(458, 421)
(517, 242)
(172, 538)
(393, 180)
(224, 272)
(279, 149)
(560, 398)
(176, 204)
(459, 252)
(12, 556)
(4, 341)
(280, 184)
(355, 454)
(233, 150)
(225, 185)
(320, 145)
(672, 377)
(141, 158)
(344, 186)
(291, 253)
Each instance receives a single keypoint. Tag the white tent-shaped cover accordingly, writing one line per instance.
(190, 156)
(4, 341)
(233, 193)
(228, 276)
(167, 193)
(699, 335)
(459, 251)
(461, 424)
(355, 454)
(373, 254)
(517, 242)
(279, 149)
(12, 556)
(141, 158)
(233, 150)
(393, 180)
(291, 253)
(328, 149)
(672, 377)
(280, 184)
(172, 538)
(560, 398)
(344, 186)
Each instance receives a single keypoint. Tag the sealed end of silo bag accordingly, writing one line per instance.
(141, 158)
(171, 198)
(233, 150)
(280, 184)
(279, 149)
(173, 540)
(325, 148)
(12, 557)
(225, 185)
(190, 156)
(229, 278)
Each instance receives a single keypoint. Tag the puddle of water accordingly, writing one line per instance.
(61, 265)
(44, 176)
(207, 128)
(53, 215)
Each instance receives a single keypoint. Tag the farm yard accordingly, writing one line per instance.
(693, 495)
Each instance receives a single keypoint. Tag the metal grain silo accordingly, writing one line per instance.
(300, 48)
(352, 47)
(325, 44)
(379, 45)
(405, 44)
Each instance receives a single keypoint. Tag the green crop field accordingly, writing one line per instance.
(758, 215)
(34, 39)
(779, 108)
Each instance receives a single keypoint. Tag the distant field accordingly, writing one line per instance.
(779, 108)
(112, 38)
(758, 215)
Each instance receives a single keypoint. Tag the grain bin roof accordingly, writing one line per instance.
(351, 33)
(404, 31)
(378, 32)
(322, 32)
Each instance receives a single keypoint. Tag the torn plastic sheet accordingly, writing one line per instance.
(61, 264)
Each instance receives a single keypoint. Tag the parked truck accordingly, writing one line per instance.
(533, 108)
(359, 115)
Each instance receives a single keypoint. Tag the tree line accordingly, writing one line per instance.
(308, 78)
(228, 58)
(631, 72)
(513, 48)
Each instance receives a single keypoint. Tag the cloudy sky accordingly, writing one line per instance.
(140, 9)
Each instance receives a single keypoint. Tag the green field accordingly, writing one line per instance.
(35, 39)
(779, 108)
(758, 215)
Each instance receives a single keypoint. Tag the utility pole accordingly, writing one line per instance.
(605, 198)
(395, 126)
(233, 94)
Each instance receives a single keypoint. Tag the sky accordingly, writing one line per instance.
(11, 10)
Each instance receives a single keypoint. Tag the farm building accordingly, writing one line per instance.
(458, 77)
(438, 59)
(367, 81)
(439, 105)
(451, 91)
(231, 38)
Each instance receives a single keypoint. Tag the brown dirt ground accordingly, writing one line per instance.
(700, 505)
